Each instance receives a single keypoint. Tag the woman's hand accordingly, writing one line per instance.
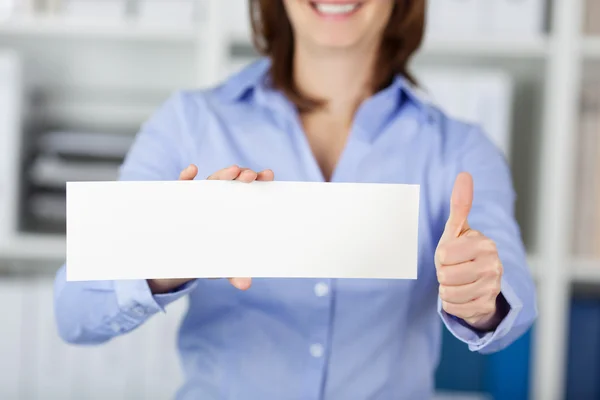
(158, 286)
(468, 267)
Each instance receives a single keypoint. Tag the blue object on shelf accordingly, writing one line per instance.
(583, 366)
(507, 371)
(460, 369)
(502, 375)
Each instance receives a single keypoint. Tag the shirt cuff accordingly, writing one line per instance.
(478, 341)
(135, 299)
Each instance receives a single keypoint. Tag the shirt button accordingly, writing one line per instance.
(316, 350)
(115, 327)
(321, 289)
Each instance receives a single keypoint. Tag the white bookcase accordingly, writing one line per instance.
(76, 60)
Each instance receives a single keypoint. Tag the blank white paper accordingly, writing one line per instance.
(215, 229)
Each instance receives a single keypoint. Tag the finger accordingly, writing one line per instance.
(465, 293)
(457, 275)
(241, 283)
(463, 249)
(460, 206)
(247, 176)
(189, 173)
(266, 175)
(464, 311)
(469, 311)
(226, 174)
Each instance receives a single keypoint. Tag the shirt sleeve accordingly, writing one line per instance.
(492, 214)
(94, 312)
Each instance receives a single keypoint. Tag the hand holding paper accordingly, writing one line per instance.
(468, 267)
(227, 174)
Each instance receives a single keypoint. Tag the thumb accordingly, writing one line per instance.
(460, 206)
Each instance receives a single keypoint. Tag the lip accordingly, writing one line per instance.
(335, 17)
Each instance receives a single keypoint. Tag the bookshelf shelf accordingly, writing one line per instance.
(535, 48)
(585, 271)
(33, 247)
(48, 27)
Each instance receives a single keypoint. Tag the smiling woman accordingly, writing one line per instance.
(332, 101)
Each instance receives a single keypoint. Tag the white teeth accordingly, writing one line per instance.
(335, 9)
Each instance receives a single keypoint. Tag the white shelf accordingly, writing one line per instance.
(32, 247)
(533, 48)
(585, 270)
(89, 28)
(591, 48)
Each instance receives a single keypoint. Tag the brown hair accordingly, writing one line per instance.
(273, 37)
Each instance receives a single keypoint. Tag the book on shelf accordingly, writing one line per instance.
(97, 145)
(583, 350)
(586, 218)
(461, 19)
(479, 96)
(54, 172)
(67, 156)
(592, 17)
(168, 13)
(95, 9)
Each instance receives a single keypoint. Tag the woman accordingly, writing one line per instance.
(332, 101)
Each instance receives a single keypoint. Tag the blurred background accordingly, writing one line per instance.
(78, 77)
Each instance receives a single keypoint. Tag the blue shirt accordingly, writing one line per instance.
(307, 339)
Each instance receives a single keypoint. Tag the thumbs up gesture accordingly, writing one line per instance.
(468, 267)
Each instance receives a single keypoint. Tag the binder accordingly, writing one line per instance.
(583, 357)
(592, 17)
(469, 378)
(479, 96)
(507, 371)
(238, 17)
(594, 181)
(517, 18)
(106, 10)
(167, 13)
(12, 367)
(455, 18)
(585, 230)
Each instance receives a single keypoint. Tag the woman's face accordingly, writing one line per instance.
(338, 23)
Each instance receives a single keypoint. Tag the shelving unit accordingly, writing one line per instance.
(556, 61)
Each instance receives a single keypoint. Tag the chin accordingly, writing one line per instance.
(336, 41)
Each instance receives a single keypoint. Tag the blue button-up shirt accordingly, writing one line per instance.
(306, 339)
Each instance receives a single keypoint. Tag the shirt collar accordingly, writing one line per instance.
(255, 76)
(248, 79)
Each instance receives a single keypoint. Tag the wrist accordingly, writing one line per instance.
(490, 322)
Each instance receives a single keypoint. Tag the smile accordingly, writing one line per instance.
(335, 9)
